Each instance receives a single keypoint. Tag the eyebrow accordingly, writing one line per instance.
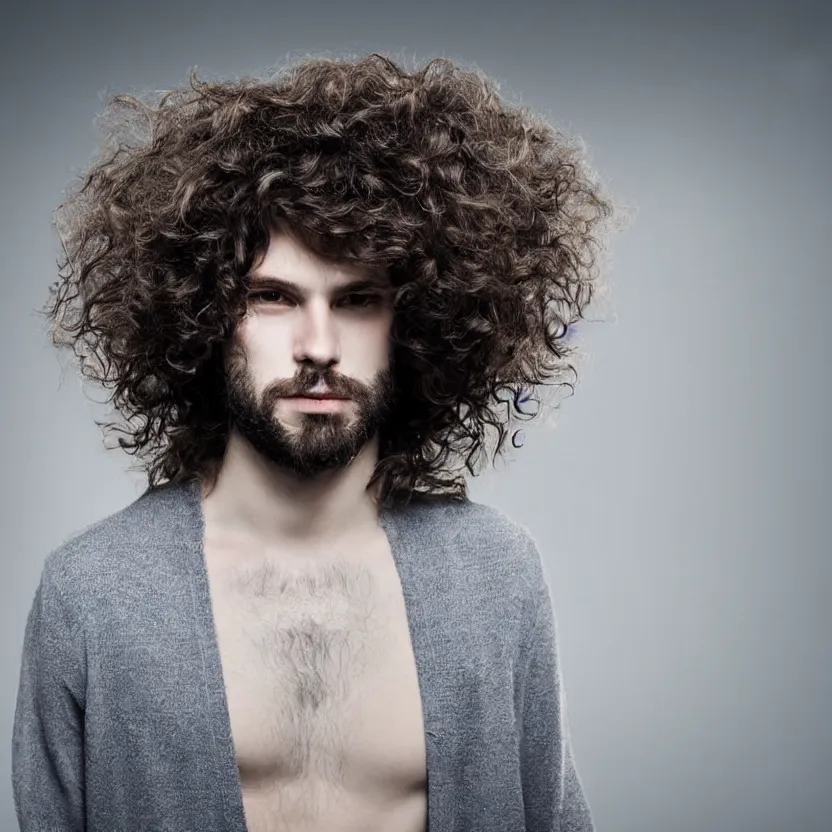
(264, 281)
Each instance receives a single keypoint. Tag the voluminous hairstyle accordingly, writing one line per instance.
(488, 220)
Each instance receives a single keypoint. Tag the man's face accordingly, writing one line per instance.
(311, 326)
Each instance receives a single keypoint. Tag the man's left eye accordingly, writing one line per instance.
(361, 298)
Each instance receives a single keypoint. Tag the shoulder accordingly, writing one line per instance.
(459, 514)
(116, 549)
(471, 533)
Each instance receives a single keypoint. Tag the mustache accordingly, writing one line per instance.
(335, 385)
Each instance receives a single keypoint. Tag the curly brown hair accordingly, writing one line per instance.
(488, 220)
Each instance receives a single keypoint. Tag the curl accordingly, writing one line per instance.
(489, 220)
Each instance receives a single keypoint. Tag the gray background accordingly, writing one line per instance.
(682, 502)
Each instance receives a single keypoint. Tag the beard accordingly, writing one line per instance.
(318, 442)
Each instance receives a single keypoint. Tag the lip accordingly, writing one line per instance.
(318, 404)
(320, 397)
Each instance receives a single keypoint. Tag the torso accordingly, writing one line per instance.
(322, 689)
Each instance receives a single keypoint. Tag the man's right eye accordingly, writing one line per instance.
(267, 296)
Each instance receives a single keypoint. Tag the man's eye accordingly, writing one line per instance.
(270, 295)
(355, 299)
(361, 299)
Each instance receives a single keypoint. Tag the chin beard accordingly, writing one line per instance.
(320, 442)
(312, 449)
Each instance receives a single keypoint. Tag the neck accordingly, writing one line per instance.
(255, 500)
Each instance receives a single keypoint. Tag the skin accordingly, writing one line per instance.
(292, 478)
(305, 597)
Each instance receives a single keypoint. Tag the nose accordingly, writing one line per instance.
(316, 337)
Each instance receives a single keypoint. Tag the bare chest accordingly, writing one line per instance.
(322, 689)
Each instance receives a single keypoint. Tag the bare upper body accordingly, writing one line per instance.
(318, 667)
(321, 684)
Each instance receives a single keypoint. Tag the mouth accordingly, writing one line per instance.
(318, 403)
(320, 397)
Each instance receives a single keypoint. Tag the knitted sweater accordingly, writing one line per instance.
(121, 722)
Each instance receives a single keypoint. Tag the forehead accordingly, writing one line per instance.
(289, 259)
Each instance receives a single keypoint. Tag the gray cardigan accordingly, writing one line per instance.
(121, 722)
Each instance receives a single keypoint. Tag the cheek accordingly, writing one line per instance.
(268, 353)
(372, 349)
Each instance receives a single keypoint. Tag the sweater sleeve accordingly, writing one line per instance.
(48, 729)
(553, 795)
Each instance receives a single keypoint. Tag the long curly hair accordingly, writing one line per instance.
(488, 220)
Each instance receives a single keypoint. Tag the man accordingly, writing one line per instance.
(311, 291)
